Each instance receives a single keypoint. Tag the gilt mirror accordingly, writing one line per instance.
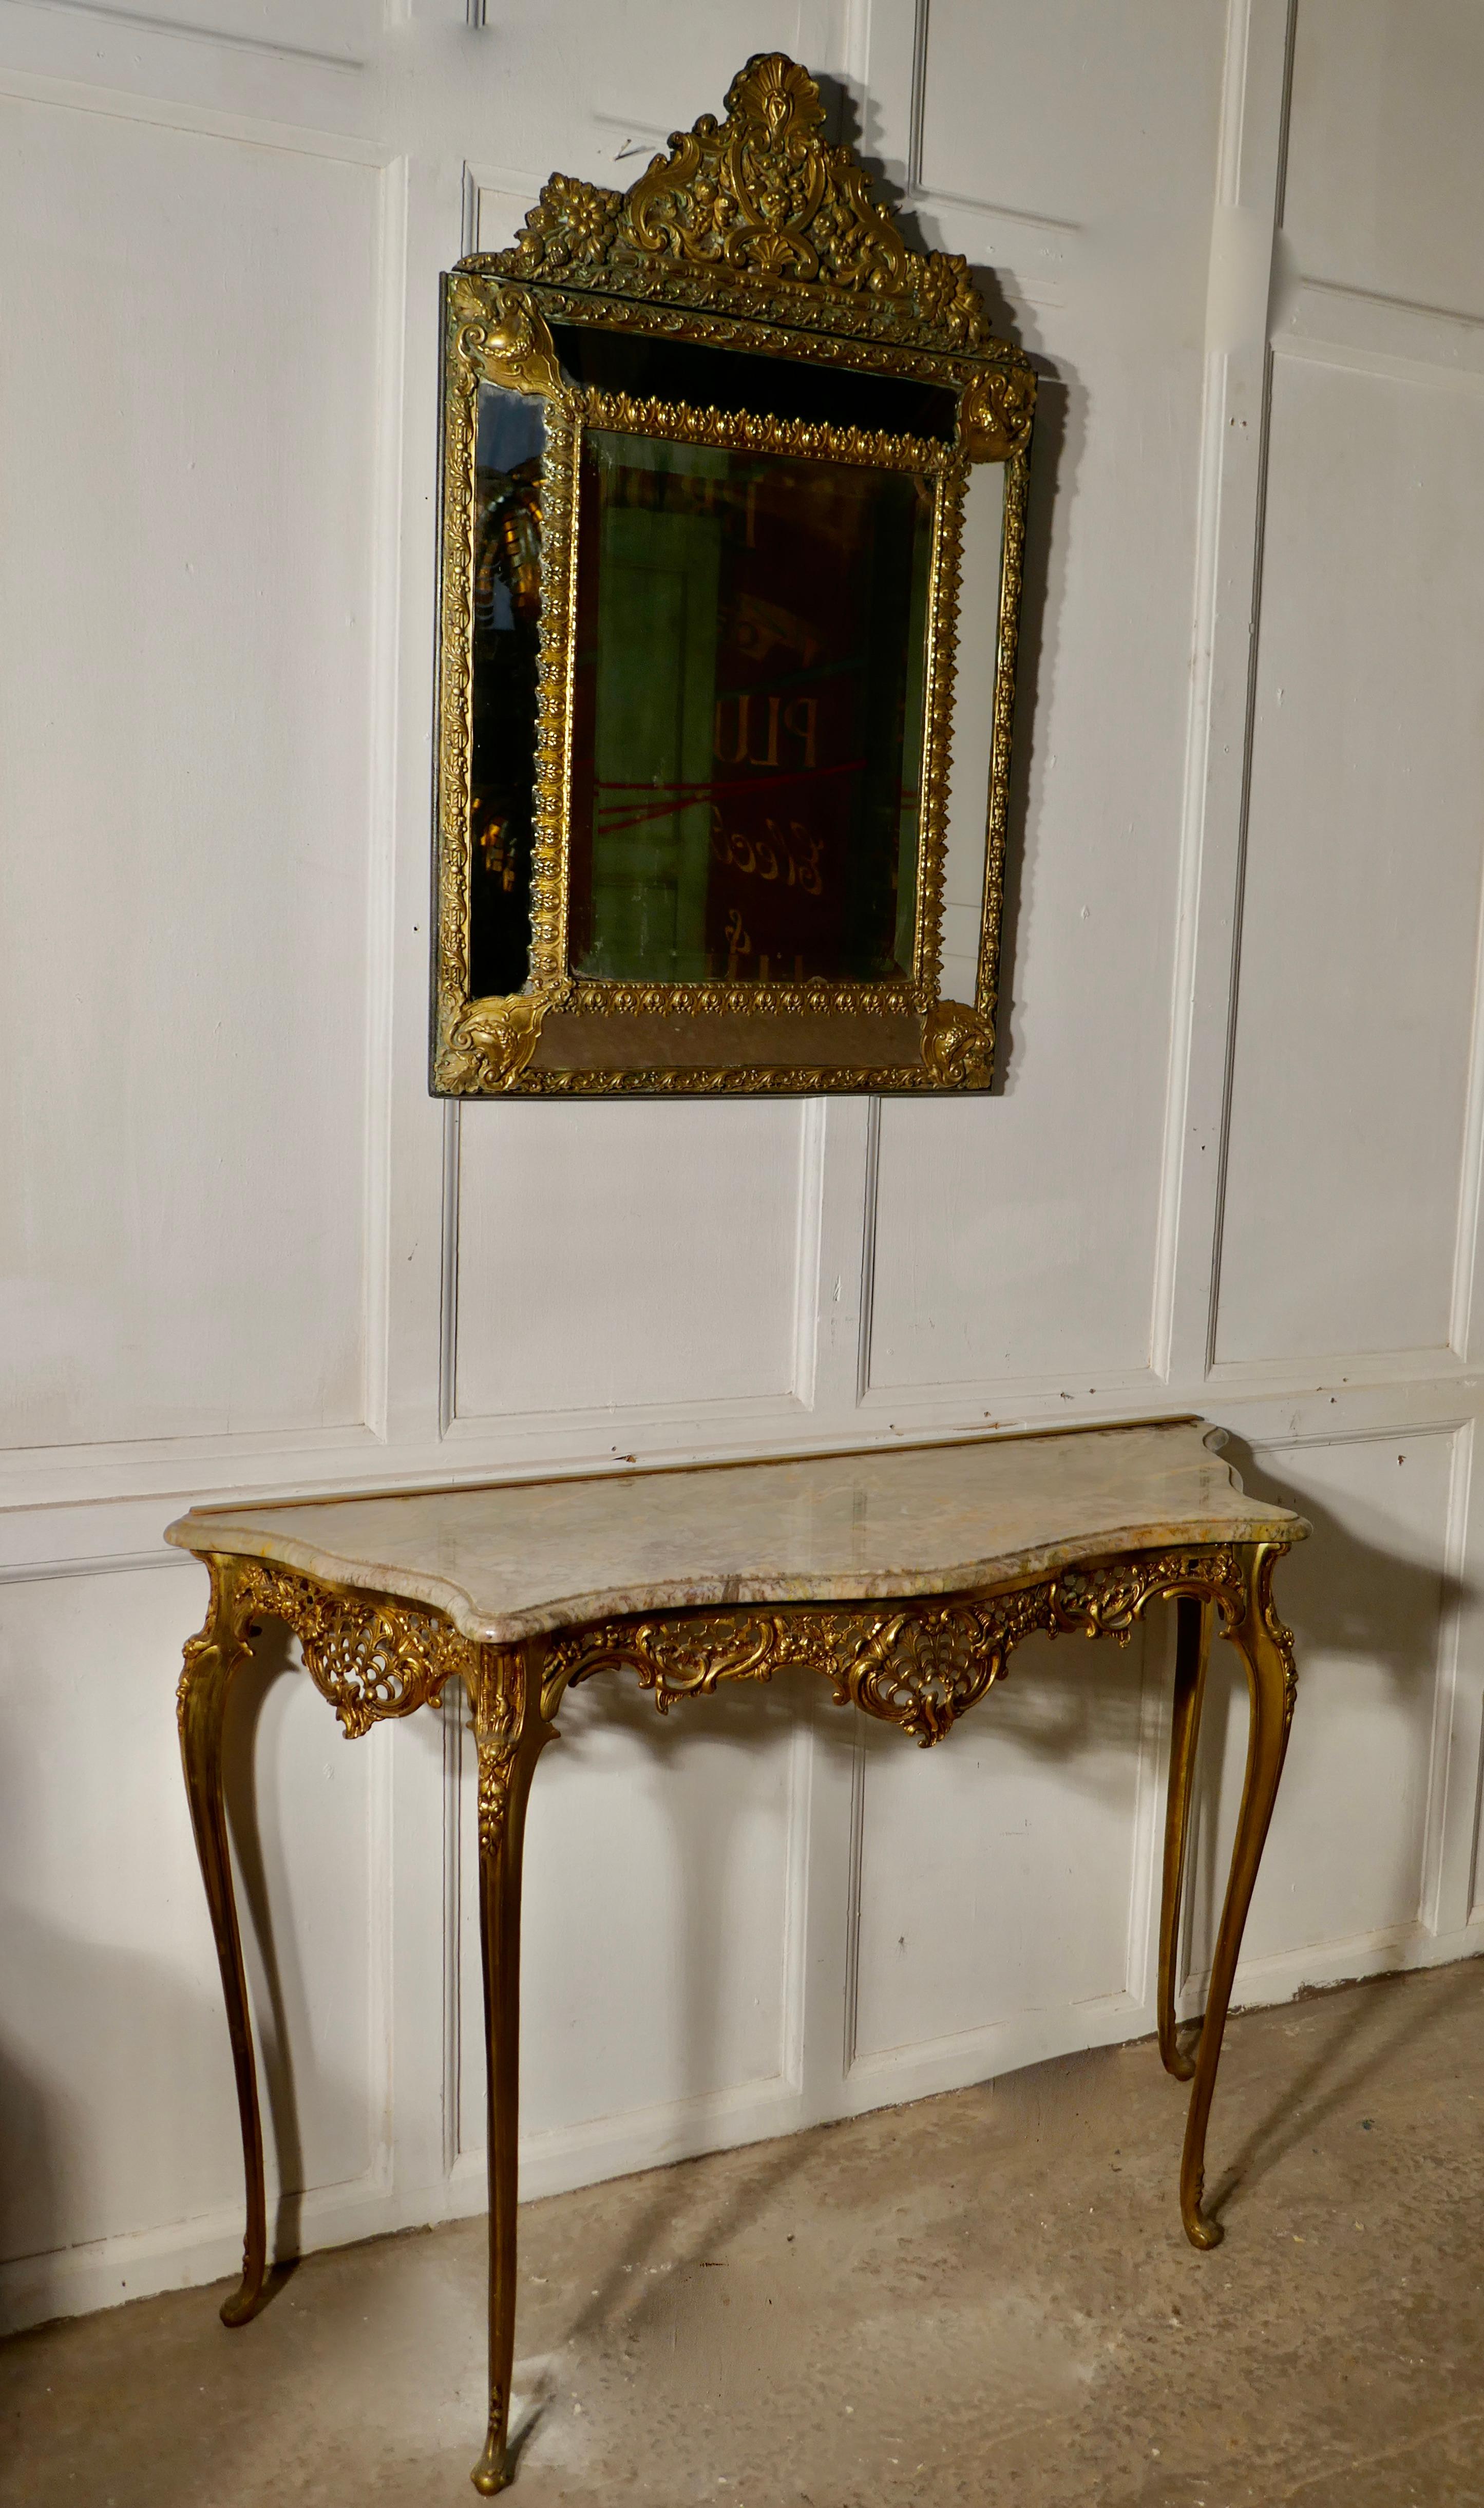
(716, 451)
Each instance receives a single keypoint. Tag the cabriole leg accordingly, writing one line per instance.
(210, 1660)
(510, 1740)
(1192, 1635)
(1266, 1648)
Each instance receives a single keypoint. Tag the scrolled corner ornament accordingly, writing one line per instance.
(491, 1042)
(995, 412)
(503, 340)
(957, 1045)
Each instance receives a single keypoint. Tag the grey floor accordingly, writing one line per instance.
(986, 2297)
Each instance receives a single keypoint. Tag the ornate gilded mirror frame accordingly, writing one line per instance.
(743, 326)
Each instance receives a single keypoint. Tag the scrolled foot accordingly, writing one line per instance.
(244, 2305)
(1199, 2227)
(491, 2473)
(1179, 2066)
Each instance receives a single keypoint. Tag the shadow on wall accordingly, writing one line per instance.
(1340, 1595)
(708, 1770)
(117, 2110)
(275, 1978)
(91, 2037)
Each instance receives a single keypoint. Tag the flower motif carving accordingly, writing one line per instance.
(763, 201)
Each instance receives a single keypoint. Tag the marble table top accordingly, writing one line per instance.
(515, 1559)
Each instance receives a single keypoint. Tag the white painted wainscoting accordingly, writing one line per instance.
(1233, 1164)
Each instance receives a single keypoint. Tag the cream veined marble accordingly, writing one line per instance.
(517, 1559)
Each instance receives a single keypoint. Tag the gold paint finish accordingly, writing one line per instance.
(751, 234)
(918, 1665)
(759, 211)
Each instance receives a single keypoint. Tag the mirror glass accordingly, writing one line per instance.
(510, 438)
(974, 682)
(749, 695)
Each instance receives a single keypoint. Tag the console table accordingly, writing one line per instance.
(904, 1576)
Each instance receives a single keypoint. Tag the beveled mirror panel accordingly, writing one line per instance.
(748, 715)
(707, 448)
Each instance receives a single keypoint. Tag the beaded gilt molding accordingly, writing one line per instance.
(753, 234)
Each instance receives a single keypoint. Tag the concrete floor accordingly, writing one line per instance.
(982, 2298)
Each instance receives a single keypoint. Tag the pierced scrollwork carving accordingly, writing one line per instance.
(1107, 1599)
(924, 1669)
(919, 1666)
(763, 192)
(764, 205)
(370, 1657)
(373, 1657)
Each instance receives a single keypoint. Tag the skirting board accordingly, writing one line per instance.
(74, 2281)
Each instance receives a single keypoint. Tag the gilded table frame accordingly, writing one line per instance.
(919, 1664)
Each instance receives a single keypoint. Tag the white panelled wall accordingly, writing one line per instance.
(1232, 1163)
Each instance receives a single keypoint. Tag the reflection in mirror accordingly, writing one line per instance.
(979, 628)
(751, 671)
(507, 597)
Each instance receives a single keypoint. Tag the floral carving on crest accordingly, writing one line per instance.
(762, 198)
